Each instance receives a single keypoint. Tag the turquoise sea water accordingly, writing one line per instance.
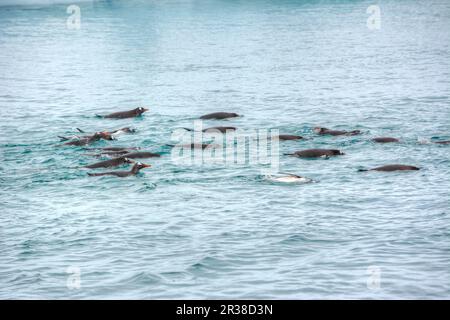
(179, 231)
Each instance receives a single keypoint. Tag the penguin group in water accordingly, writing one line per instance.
(127, 155)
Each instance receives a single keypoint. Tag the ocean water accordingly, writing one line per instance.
(181, 231)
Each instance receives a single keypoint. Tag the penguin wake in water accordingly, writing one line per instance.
(123, 174)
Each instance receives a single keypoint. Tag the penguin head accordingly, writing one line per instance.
(337, 152)
(320, 130)
(143, 165)
(97, 135)
(105, 135)
(139, 165)
(126, 160)
(129, 130)
(141, 110)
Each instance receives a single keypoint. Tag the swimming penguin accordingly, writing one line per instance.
(115, 148)
(110, 163)
(122, 174)
(427, 141)
(123, 130)
(326, 131)
(88, 140)
(219, 115)
(288, 137)
(117, 131)
(107, 154)
(141, 155)
(392, 167)
(316, 153)
(104, 135)
(65, 138)
(126, 114)
(288, 178)
(111, 151)
(214, 129)
(385, 140)
(194, 145)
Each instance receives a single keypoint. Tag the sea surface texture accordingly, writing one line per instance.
(225, 231)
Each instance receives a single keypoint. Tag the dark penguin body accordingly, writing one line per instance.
(288, 137)
(96, 136)
(141, 155)
(393, 167)
(107, 154)
(111, 151)
(326, 131)
(115, 149)
(442, 142)
(316, 153)
(194, 145)
(385, 140)
(126, 114)
(215, 129)
(117, 131)
(109, 163)
(219, 115)
(88, 140)
(81, 142)
(122, 174)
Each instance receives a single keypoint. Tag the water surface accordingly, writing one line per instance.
(222, 232)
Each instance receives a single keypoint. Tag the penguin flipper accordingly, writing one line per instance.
(79, 130)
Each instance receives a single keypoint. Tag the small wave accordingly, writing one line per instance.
(140, 278)
(208, 264)
(301, 238)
